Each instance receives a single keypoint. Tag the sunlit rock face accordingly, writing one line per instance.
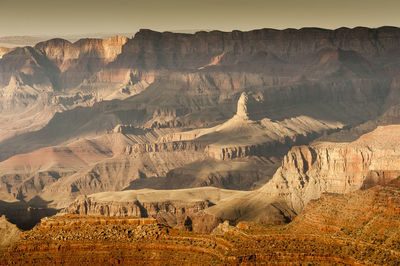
(242, 106)
(308, 171)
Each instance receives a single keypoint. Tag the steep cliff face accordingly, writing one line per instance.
(300, 84)
(80, 60)
(309, 171)
(306, 172)
(241, 137)
(181, 209)
(169, 50)
(178, 214)
(194, 80)
(130, 157)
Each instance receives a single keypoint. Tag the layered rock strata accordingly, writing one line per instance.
(306, 172)
(309, 171)
(181, 209)
(367, 216)
(75, 239)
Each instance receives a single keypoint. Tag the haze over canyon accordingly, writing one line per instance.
(218, 147)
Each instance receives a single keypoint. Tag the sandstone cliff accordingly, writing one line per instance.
(306, 172)
(182, 209)
(309, 171)
(194, 80)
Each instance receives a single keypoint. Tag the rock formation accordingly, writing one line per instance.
(306, 172)
(130, 157)
(288, 68)
(241, 112)
(160, 110)
(181, 209)
(9, 234)
(369, 216)
(73, 239)
(309, 171)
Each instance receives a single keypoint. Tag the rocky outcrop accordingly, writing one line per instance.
(229, 153)
(75, 239)
(194, 80)
(241, 111)
(9, 234)
(369, 216)
(222, 48)
(309, 171)
(299, 85)
(179, 214)
(181, 209)
(174, 146)
(80, 60)
(131, 157)
(80, 239)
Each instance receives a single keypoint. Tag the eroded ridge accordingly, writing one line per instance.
(88, 240)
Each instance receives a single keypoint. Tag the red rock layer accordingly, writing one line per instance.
(89, 240)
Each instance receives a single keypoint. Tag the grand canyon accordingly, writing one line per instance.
(214, 147)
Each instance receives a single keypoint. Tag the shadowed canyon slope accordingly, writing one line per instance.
(171, 111)
(305, 174)
(238, 154)
(194, 79)
(309, 171)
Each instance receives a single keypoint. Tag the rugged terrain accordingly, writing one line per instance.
(240, 153)
(306, 173)
(309, 171)
(182, 209)
(145, 145)
(361, 227)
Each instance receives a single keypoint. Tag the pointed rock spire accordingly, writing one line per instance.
(242, 106)
(14, 81)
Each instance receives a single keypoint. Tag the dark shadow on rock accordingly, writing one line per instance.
(25, 215)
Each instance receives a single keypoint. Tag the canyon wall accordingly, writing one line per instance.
(178, 214)
(308, 171)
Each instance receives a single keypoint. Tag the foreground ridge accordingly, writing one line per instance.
(83, 239)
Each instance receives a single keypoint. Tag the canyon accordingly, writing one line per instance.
(227, 146)
(306, 173)
(330, 231)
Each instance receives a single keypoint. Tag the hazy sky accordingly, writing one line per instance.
(61, 17)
